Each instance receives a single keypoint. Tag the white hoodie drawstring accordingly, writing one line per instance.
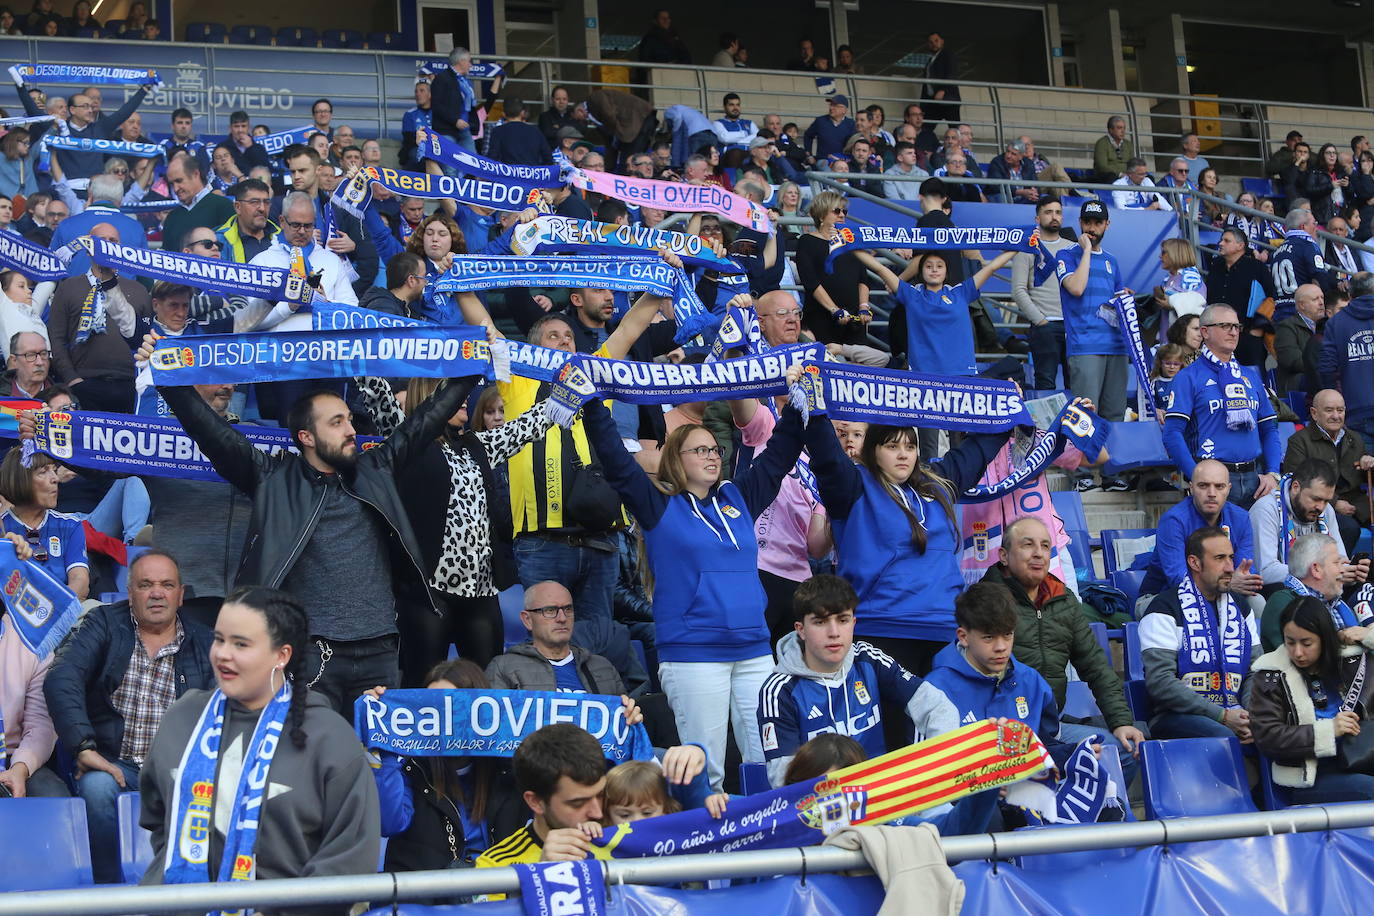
(716, 505)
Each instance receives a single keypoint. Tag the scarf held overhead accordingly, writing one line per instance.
(849, 236)
(562, 235)
(490, 723)
(275, 284)
(1073, 426)
(445, 152)
(84, 74)
(898, 398)
(113, 147)
(274, 144)
(674, 196)
(355, 195)
(33, 261)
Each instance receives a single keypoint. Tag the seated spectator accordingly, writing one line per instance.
(729, 48)
(904, 165)
(109, 685)
(1178, 176)
(1112, 152)
(248, 233)
(764, 154)
(733, 131)
(1344, 361)
(1206, 506)
(28, 362)
(1317, 569)
(1293, 176)
(827, 134)
(1342, 258)
(1014, 163)
(224, 174)
(405, 287)
(1045, 170)
(952, 143)
(1296, 344)
(561, 113)
(199, 207)
(1198, 644)
(1132, 196)
(46, 221)
(1327, 439)
(27, 734)
(548, 660)
(1301, 505)
(956, 166)
(516, 141)
(1283, 156)
(1297, 704)
(18, 167)
(822, 669)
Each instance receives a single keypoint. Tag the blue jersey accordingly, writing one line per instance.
(1202, 393)
(1086, 333)
(938, 330)
(59, 543)
(1298, 261)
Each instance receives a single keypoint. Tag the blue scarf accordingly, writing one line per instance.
(355, 195)
(219, 359)
(897, 398)
(739, 330)
(1082, 795)
(193, 800)
(84, 74)
(1122, 306)
(149, 206)
(278, 142)
(335, 316)
(275, 284)
(33, 261)
(562, 888)
(445, 152)
(1074, 426)
(490, 723)
(1341, 614)
(1287, 527)
(1215, 650)
(92, 315)
(41, 608)
(563, 235)
(1240, 415)
(113, 147)
(139, 446)
(849, 236)
(475, 273)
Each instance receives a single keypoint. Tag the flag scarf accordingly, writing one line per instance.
(117, 147)
(85, 74)
(33, 119)
(1215, 650)
(355, 195)
(674, 196)
(939, 770)
(490, 723)
(193, 800)
(40, 608)
(898, 398)
(1341, 614)
(1123, 305)
(474, 273)
(218, 359)
(562, 888)
(9, 415)
(562, 235)
(479, 70)
(275, 284)
(141, 446)
(445, 152)
(149, 206)
(276, 143)
(1074, 426)
(1086, 790)
(33, 261)
(849, 236)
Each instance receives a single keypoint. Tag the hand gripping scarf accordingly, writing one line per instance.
(1215, 650)
(849, 236)
(445, 152)
(674, 196)
(562, 235)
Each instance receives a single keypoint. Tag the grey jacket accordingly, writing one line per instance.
(1161, 636)
(523, 668)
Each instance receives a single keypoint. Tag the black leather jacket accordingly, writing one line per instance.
(288, 493)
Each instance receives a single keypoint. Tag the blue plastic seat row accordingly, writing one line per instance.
(290, 36)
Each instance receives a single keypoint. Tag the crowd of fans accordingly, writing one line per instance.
(799, 587)
(44, 20)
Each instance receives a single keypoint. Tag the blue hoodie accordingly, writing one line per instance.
(1347, 357)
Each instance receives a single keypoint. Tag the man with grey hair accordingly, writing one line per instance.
(1317, 569)
(1112, 152)
(1134, 193)
(1299, 260)
(452, 100)
(1192, 149)
(1346, 360)
(199, 205)
(294, 249)
(102, 206)
(1015, 165)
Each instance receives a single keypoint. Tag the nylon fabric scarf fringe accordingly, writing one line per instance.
(85, 74)
(276, 284)
(445, 152)
(563, 235)
(675, 196)
(849, 236)
(355, 195)
(90, 144)
(40, 608)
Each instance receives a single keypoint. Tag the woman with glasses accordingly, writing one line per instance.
(20, 148)
(836, 308)
(1324, 184)
(709, 621)
(57, 538)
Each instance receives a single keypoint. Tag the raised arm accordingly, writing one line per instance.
(644, 500)
(992, 267)
(760, 481)
(884, 273)
(841, 482)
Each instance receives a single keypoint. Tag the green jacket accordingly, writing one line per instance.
(1057, 634)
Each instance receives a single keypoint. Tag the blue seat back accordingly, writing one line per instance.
(1111, 546)
(1135, 662)
(341, 38)
(1103, 639)
(512, 603)
(135, 843)
(47, 846)
(1135, 445)
(1068, 505)
(296, 36)
(250, 35)
(206, 32)
(1138, 698)
(1194, 777)
(753, 778)
(1261, 187)
(378, 40)
(1273, 796)
(1128, 580)
(1079, 701)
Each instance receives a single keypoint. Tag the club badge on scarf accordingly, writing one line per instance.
(674, 196)
(355, 195)
(1082, 796)
(739, 330)
(141, 446)
(276, 284)
(562, 888)
(849, 236)
(1215, 649)
(421, 352)
(86, 75)
(40, 608)
(33, 261)
(490, 723)
(1074, 426)
(1122, 305)
(110, 147)
(563, 235)
(445, 152)
(982, 755)
(275, 144)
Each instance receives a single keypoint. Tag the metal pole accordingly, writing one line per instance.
(1320, 233)
(384, 888)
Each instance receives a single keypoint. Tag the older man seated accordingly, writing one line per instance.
(1327, 439)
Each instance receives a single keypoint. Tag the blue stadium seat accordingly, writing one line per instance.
(1068, 505)
(212, 33)
(1128, 580)
(1298, 401)
(297, 37)
(46, 845)
(112, 27)
(1135, 445)
(1272, 795)
(1138, 698)
(341, 38)
(1079, 701)
(135, 843)
(1261, 187)
(1286, 431)
(1135, 662)
(753, 778)
(512, 603)
(1111, 562)
(385, 41)
(250, 35)
(1103, 636)
(1194, 777)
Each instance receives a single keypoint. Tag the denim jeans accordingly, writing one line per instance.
(590, 575)
(708, 698)
(1048, 355)
(1181, 725)
(1072, 733)
(100, 791)
(1334, 785)
(1243, 486)
(124, 510)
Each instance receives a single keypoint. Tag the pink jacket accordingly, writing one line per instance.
(29, 733)
(781, 529)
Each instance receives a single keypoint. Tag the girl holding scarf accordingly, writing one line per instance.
(708, 602)
(437, 240)
(232, 790)
(897, 542)
(1306, 697)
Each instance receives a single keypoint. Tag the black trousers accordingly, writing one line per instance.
(474, 625)
(916, 656)
(341, 670)
(110, 395)
(778, 613)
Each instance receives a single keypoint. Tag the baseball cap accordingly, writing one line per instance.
(761, 141)
(1294, 135)
(839, 100)
(1093, 209)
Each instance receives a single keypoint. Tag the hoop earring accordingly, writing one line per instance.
(271, 679)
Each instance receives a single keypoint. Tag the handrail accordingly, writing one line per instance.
(381, 889)
(1238, 208)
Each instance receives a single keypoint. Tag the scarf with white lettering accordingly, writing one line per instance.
(475, 273)
(898, 398)
(739, 330)
(31, 260)
(445, 152)
(33, 119)
(92, 315)
(562, 888)
(1122, 307)
(1240, 412)
(39, 607)
(1341, 614)
(850, 236)
(193, 800)
(275, 284)
(355, 195)
(1288, 526)
(113, 147)
(1214, 653)
(149, 206)
(84, 74)
(563, 235)
(1085, 792)
(276, 143)
(675, 196)
(1074, 426)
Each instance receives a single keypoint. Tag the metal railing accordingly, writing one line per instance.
(1234, 207)
(384, 889)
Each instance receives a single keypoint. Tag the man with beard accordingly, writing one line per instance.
(1301, 505)
(1040, 304)
(328, 525)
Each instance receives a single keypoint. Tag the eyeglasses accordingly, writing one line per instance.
(255, 201)
(1181, 170)
(299, 227)
(34, 355)
(705, 451)
(1224, 325)
(551, 611)
(786, 313)
(35, 540)
(208, 243)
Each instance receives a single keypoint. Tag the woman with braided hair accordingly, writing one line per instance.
(231, 788)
